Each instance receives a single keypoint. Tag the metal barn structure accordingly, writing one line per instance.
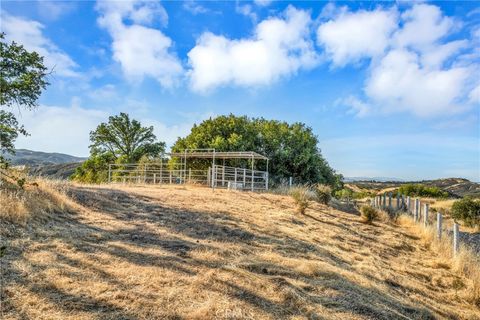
(176, 168)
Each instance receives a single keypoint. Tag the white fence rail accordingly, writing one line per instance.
(167, 173)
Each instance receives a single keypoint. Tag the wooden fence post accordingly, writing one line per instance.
(398, 201)
(425, 214)
(290, 181)
(389, 200)
(154, 178)
(408, 204)
(384, 200)
(417, 210)
(456, 239)
(439, 225)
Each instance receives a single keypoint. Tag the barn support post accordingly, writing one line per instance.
(213, 170)
(161, 169)
(244, 178)
(253, 177)
(266, 182)
(235, 179)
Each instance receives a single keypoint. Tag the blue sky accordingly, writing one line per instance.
(390, 88)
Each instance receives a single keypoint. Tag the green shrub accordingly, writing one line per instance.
(323, 193)
(420, 190)
(344, 194)
(369, 214)
(467, 210)
(302, 196)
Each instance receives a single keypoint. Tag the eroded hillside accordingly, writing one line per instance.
(191, 253)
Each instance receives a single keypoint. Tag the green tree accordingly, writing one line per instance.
(467, 210)
(125, 139)
(23, 78)
(120, 140)
(292, 148)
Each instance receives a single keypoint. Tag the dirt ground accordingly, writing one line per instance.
(193, 253)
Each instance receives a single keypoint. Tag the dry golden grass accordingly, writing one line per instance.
(465, 263)
(192, 253)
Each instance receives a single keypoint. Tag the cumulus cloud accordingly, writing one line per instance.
(352, 36)
(279, 47)
(411, 66)
(140, 49)
(60, 129)
(399, 83)
(29, 33)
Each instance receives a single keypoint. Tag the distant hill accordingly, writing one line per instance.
(34, 158)
(456, 187)
(378, 179)
(55, 171)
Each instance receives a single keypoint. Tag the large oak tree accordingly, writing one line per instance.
(23, 77)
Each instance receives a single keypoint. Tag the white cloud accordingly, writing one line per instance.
(355, 105)
(60, 129)
(106, 92)
(29, 33)
(279, 47)
(352, 36)
(411, 66)
(423, 26)
(194, 8)
(52, 10)
(399, 83)
(140, 50)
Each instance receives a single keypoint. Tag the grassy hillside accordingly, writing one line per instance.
(55, 171)
(456, 187)
(191, 253)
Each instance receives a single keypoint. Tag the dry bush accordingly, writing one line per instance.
(323, 193)
(37, 200)
(302, 196)
(369, 214)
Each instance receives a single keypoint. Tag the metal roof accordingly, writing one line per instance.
(219, 155)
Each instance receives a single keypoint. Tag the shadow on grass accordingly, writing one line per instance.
(143, 216)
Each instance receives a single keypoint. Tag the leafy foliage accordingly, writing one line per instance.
(9, 130)
(292, 148)
(369, 214)
(124, 138)
(344, 194)
(94, 169)
(420, 190)
(121, 140)
(467, 210)
(21, 84)
(323, 193)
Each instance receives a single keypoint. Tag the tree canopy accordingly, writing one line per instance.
(292, 148)
(23, 78)
(125, 139)
(120, 140)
